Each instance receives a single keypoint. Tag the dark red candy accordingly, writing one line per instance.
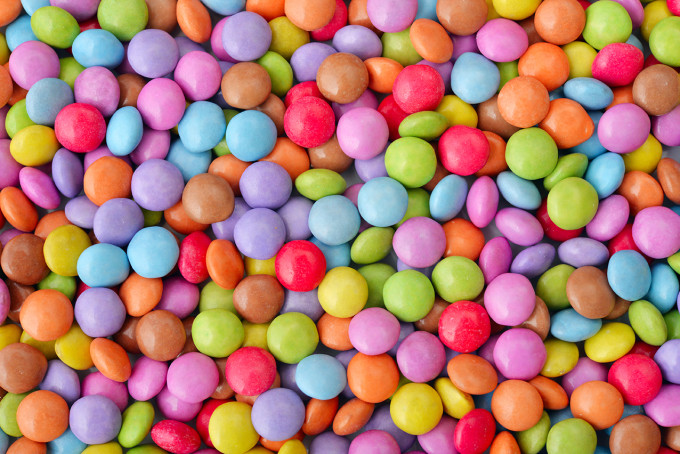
(464, 326)
(474, 432)
(300, 266)
(637, 377)
(192, 265)
(623, 241)
(309, 122)
(80, 127)
(418, 88)
(175, 437)
(203, 419)
(393, 114)
(550, 229)
(642, 348)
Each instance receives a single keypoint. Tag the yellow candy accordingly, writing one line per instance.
(255, 266)
(4, 50)
(107, 448)
(34, 145)
(610, 343)
(62, 248)
(259, 450)
(47, 348)
(644, 158)
(654, 13)
(73, 349)
(255, 335)
(293, 447)
(456, 402)
(562, 357)
(343, 292)
(581, 57)
(231, 429)
(492, 14)
(286, 37)
(416, 408)
(457, 111)
(516, 9)
(9, 334)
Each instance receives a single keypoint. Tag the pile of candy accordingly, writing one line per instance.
(191, 265)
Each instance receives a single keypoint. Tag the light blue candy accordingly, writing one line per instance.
(635, 41)
(103, 265)
(629, 275)
(46, 98)
(427, 9)
(251, 135)
(605, 173)
(202, 127)
(124, 131)
(382, 201)
(225, 7)
(591, 93)
(4, 442)
(19, 31)
(591, 147)
(570, 326)
(189, 164)
(98, 47)
(601, 450)
(67, 443)
(663, 293)
(560, 415)
(474, 78)
(517, 191)
(153, 252)
(335, 255)
(321, 376)
(448, 198)
(676, 208)
(334, 220)
(31, 6)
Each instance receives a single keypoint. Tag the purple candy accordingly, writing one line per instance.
(391, 16)
(382, 420)
(39, 188)
(623, 128)
(486, 350)
(80, 211)
(534, 260)
(304, 302)
(193, 377)
(367, 169)
(32, 61)
(224, 230)
(153, 53)
(99, 312)
(81, 10)
(307, 58)
(611, 217)
(4, 301)
(374, 331)
(421, 357)
(179, 297)
(495, 258)
(265, 184)
(419, 242)
(444, 69)
(667, 357)
(518, 226)
(666, 128)
(358, 40)
(664, 409)
(100, 152)
(199, 75)
(147, 378)
(9, 168)
(440, 439)
(463, 44)
(260, 233)
(401, 266)
(8, 235)
(295, 215)
(519, 354)
(62, 380)
(95, 419)
(67, 172)
(175, 408)
(287, 375)
(154, 145)
(216, 41)
(329, 443)
(367, 99)
(185, 45)
(585, 370)
(117, 220)
(157, 185)
(98, 87)
(246, 36)
(579, 252)
(278, 414)
(374, 442)
(502, 40)
(96, 384)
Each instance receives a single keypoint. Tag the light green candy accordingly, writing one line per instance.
(376, 274)
(137, 422)
(152, 218)
(217, 333)
(672, 321)
(146, 449)
(69, 70)
(8, 413)
(508, 71)
(408, 295)
(372, 245)
(123, 18)
(570, 165)
(647, 322)
(63, 284)
(664, 39)
(674, 262)
(17, 118)
(572, 203)
(532, 440)
(398, 47)
(54, 26)
(418, 204)
(607, 23)
(317, 183)
(426, 125)
(552, 287)
(279, 70)
(222, 148)
(571, 436)
(411, 161)
(457, 278)
(292, 337)
(215, 297)
(531, 153)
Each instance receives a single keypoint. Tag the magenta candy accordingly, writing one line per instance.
(100, 152)
(199, 75)
(502, 40)
(444, 69)
(175, 437)
(618, 64)
(154, 145)
(179, 297)
(161, 103)
(419, 242)
(216, 42)
(463, 44)
(440, 439)
(656, 231)
(250, 371)
(474, 432)
(39, 188)
(98, 87)
(3, 116)
(664, 409)
(374, 442)
(4, 301)
(81, 10)
(193, 377)
(97, 384)
(585, 370)
(623, 128)
(519, 226)
(362, 133)
(482, 201)
(32, 61)
(374, 331)
(8, 235)
(519, 354)
(509, 299)
(421, 357)
(634, 9)
(486, 351)
(147, 379)
(495, 258)
(391, 16)
(611, 217)
(352, 193)
(666, 128)
(9, 168)
(175, 408)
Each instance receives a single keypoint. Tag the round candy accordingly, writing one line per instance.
(80, 127)
(362, 133)
(342, 77)
(653, 224)
(623, 141)
(502, 40)
(607, 23)
(99, 312)
(150, 177)
(265, 185)
(22, 367)
(509, 299)
(278, 414)
(251, 135)
(519, 354)
(418, 88)
(207, 199)
(474, 78)
(463, 150)
(259, 233)
(152, 53)
(464, 326)
(421, 357)
(572, 203)
(382, 202)
(416, 408)
(42, 416)
(320, 377)
(95, 419)
(161, 103)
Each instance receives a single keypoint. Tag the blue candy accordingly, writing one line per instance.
(474, 78)
(605, 173)
(663, 293)
(202, 127)
(334, 220)
(103, 265)
(591, 147)
(382, 201)
(517, 191)
(18, 32)
(124, 131)
(153, 252)
(98, 47)
(251, 135)
(46, 98)
(591, 93)
(448, 198)
(335, 255)
(225, 7)
(31, 6)
(190, 164)
(629, 275)
(570, 326)
(427, 9)
(67, 443)
(321, 376)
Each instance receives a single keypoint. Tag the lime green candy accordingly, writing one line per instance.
(607, 23)
(317, 183)
(398, 47)
(411, 161)
(571, 165)
(372, 245)
(572, 203)
(123, 18)
(426, 125)
(63, 284)
(215, 297)
(54, 26)
(376, 274)
(69, 70)
(610, 343)
(674, 262)
(508, 71)
(552, 287)
(17, 118)
(8, 413)
(137, 422)
(571, 436)
(647, 322)
(146, 449)
(408, 295)
(279, 70)
(672, 321)
(457, 278)
(105, 448)
(418, 204)
(255, 335)
(217, 333)
(531, 153)
(532, 440)
(152, 218)
(286, 37)
(664, 39)
(292, 337)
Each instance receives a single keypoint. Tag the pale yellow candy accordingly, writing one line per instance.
(645, 158)
(581, 57)
(47, 348)
(654, 13)
(293, 447)
(255, 266)
(9, 334)
(255, 335)
(107, 448)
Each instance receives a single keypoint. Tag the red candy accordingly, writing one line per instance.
(474, 432)
(80, 127)
(618, 64)
(623, 241)
(192, 252)
(300, 266)
(418, 88)
(393, 114)
(308, 88)
(338, 21)
(464, 326)
(309, 122)
(637, 377)
(550, 229)
(463, 150)
(250, 371)
(175, 437)
(642, 348)
(203, 419)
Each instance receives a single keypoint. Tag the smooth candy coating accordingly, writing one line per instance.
(161, 103)
(160, 335)
(95, 419)
(509, 291)
(105, 96)
(629, 275)
(300, 266)
(147, 378)
(99, 312)
(278, 414)
(618, 64)
(22, 367)
(415, 249)
(654, 232)
(320, 377)
(207, 199)
(97, 47)
(251, 135)
(150, 177)
(46, 98)
(152, 53)
(519, 354)
(362, 133)
(31, 62)
(256, 224)
(246, 85)
(103, 265)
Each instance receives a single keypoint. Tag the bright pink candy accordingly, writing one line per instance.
(440, 438)
(418, 88)
(39, 188)
(482, 201)
(656, 231)
(300, 266)
(623, 128)
(309, 122)
(199, 75)
(80, 127)
(175, 437)
(298, 91)
(618, 64)
(147, 379)
(519, 226)
(502, 40)
(419, 242)
(475, 431)
(463, 150)
(250, 371)
(161, 103)
(32, 61)
(509, 299)
(362, 133)
(177, 409)
(374, 331)
(464, 326)
(339, 20)
(637, 377)
(192, 253)
(495, 258)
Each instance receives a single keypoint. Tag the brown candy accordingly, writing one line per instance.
(246, 85)
(620, 307)
(668, 173)
(223, 390)
(189, 345)
(490, 119)
(529, 27)
(162, 14)
(589, 294)
(330, 156)
(208, 198)
(672, 437)
(127, 337)
(22, 368)
(462, 17)
(258, 298)
(275, 109)
(160, 335)
(23, 261)
(342, 77)
(539, 320)
(130, 86)
(635, 434)
(657, 89)
(17, 295)
(430, 322)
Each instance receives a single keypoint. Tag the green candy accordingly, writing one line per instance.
(137, 422)
(279, 70)
(221, 148)
(457, 278)
(672, 321)
(664, 39)
(376, 274)
(146, 449)
(215, 297)
(418, 204)
(63, 284)
(572, 203)
(647, 322)
(217, 333)
(69, 70)
(54, 26)
(411, 161)
(292, 337)
(674, 262)
(398, 47)
(607, 23)
(17, 118)
(571, 436)
(571, 165)
(408, 295)
(532, 440)
(531, 153)
(123, 18)
(508, 71)
(8, 413)
(372, 245)
(152, 218)
(552, 287)
(318, 183)
(426, 125)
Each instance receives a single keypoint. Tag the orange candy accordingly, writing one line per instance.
(382, 72)
(24, 445)
(224, 263)
(352, 416)
(495, 164)
(546, 62)
(107, 178)
(17, 209)
(373, 378)
(504, 443)
(50, 222)
(516, 405)
(6, 86)
(230, 168)
(472, 374)
(319, 415)
(567, 123)
(431, 40)
(276, 445)
(179, 221)
(334, 332)
(42, 416)
(553, 395)
(9, 10)
(46, 315)
(622, 95)
(560, 21)
(463, 238)
(18, 94)
(110, 359)
(290, 156)
(194, 20)
(309, 14)
(269, 9)
(598, 403)
(357, 14)
(641, 190)
(523, 101)
(140, 294)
